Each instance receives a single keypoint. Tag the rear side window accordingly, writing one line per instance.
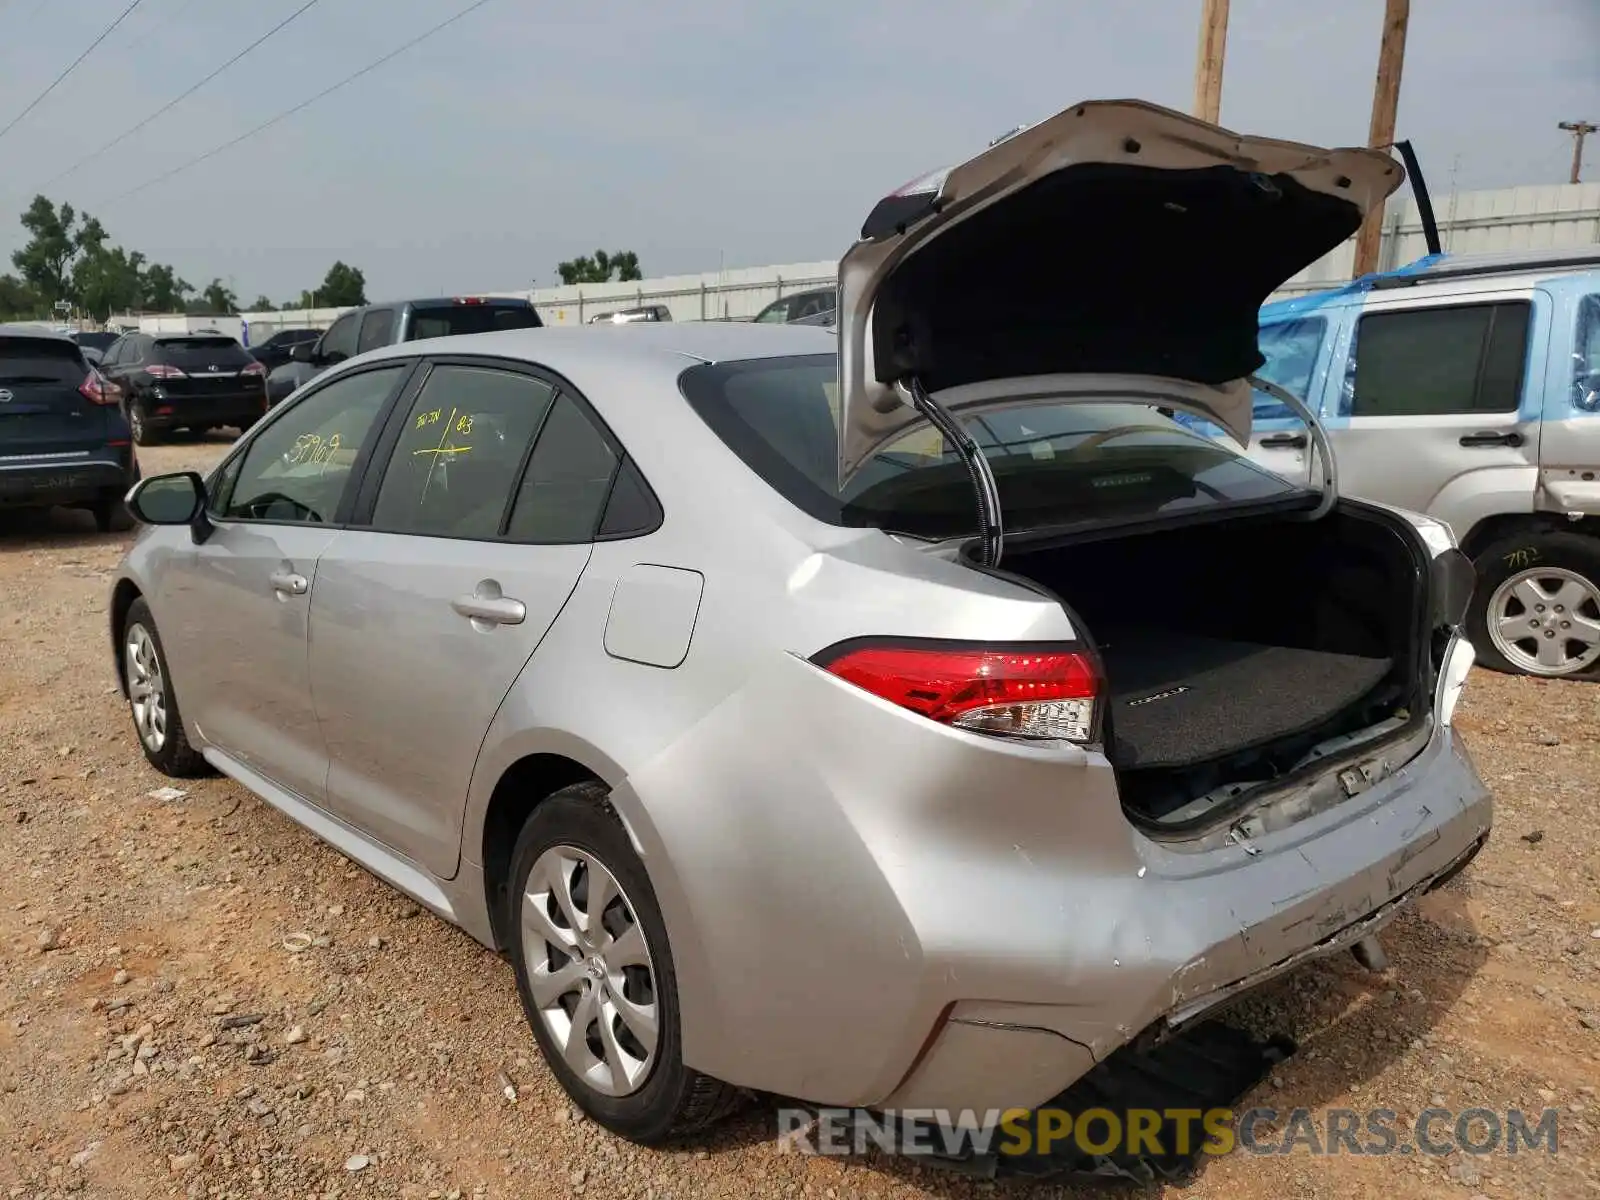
(1586, 356)
(377, 329)
(568, 480)
(470, 318)
(339, 343)
(198, 354)
(463, 443)
(1291, 349)
(1436, 361)
(1064, 464)
(39, 361)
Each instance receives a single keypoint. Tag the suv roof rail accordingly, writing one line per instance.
(1494, 264)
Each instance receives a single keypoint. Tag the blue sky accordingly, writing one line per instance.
(695, 133)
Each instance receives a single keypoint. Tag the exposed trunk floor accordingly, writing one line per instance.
(1179, 700)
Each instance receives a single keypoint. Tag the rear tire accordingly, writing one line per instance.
(143, 435)
(1536, 608)
(637, 1087)
(152, 701)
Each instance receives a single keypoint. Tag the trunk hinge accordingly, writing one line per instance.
(1319, 443)
(991, 534)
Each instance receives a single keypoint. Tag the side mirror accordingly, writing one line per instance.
(176, 499)
(304, 352)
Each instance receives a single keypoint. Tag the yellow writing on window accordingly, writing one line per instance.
(430, 418)
(314, 448)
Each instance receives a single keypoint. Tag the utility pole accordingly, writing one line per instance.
(1385, 105)
(1579, 130)
(1208, 66)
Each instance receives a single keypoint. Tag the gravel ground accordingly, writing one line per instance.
(198, 999)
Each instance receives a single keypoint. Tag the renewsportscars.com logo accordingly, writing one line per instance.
(1162, 1132)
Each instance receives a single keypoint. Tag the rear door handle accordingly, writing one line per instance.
(1284, 441)
(290, 582)
(1491, 437)
(490, 606)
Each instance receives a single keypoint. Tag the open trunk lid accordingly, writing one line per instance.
(1118, 250)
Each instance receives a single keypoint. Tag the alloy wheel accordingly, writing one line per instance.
(1546, 621)
(590, 970)
(147, 689)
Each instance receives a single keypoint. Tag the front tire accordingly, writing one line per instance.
(1536, 608)
(152, 701)
(595, 973)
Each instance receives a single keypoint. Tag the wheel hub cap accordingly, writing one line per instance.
(147, 688)
(590, 971)
(1546, 621)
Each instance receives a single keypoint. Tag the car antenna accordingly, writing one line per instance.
(990, 531)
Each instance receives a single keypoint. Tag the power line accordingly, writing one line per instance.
(175, 101)
(104, 34)
(303, 105)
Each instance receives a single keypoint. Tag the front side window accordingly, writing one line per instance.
(1054, 464)
(460, 450)
(1421, 362)
(339, 343)
(296, 469)
(1586, 356)
(776, 313)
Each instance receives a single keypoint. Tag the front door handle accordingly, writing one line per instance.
(289, 582)
(489, 606)
(1492, 437)
(1284, 441)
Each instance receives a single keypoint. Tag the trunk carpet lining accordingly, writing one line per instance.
(1179, 700)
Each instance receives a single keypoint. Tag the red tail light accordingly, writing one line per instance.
(1023, 691)
(163, 371)
(97, 389)
(254, 368)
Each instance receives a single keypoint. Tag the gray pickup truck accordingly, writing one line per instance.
(374, 325)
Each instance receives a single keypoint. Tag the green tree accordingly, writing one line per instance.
(262, 304)
(18, 300)
(218, 298)
(163, 290)
(601, 267)
(344, 287)
(108, 279)
(46, 260)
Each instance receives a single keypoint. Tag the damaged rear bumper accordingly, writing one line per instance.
(1199, 937)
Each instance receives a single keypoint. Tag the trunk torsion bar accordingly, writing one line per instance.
(990, 533)
(1319, 442)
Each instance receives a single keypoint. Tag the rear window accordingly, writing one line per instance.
(1055, 465)
(470, 318)
(201, 352)
(97, 341)
(24, 360)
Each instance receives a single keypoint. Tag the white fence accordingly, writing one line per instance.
(1523, 218)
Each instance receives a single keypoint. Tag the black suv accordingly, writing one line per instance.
(187, 381)
(275, 350)
(363, 329)
(64, 438)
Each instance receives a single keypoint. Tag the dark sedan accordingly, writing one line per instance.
(274, 351)
(186, 381)
(63, 437)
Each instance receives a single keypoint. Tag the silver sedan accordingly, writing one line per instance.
(905, 716)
